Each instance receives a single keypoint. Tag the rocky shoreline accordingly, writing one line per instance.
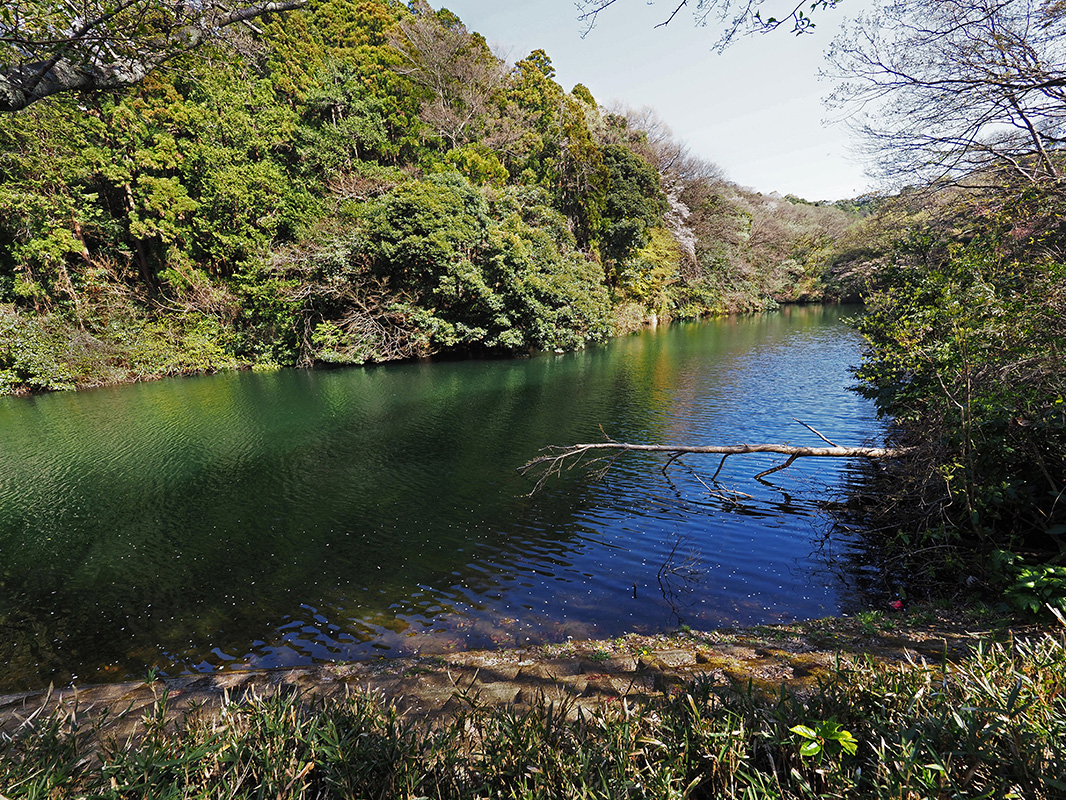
(578, 675)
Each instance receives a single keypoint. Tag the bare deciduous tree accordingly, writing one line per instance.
(50, 47)
(681, 173)
(945, 89)
(732, 17)
(456, 68)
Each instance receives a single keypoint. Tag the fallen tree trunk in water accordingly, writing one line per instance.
(557, 456)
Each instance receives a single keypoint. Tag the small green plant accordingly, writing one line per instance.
(873, 622)
(1039, 586)
(599, 655)
(921, 618)
(868, 622)
(1032, 587)
(826, 735)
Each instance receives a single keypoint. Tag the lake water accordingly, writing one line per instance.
(297, 517)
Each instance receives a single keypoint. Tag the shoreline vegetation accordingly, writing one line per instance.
(917, 703)
(184, 365)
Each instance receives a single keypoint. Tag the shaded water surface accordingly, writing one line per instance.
(301, 516)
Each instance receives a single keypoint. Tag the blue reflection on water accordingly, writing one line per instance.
(308, 516)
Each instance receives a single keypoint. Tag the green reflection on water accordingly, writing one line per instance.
(190, 522)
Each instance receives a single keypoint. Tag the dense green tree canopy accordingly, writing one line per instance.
(351, 181)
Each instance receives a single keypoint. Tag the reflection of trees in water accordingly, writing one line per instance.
(859, 553)
(849, 556)
(679, 575)
(319, 602)
(221, 557)
(393, 515)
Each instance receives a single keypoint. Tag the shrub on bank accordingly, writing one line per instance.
(51, 353)
(966, 355)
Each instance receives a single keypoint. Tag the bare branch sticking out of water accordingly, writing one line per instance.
(556, 458)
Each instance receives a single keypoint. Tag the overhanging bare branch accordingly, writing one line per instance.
(45, 50)
(558, 458)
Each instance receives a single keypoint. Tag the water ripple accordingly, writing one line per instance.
(299, 517)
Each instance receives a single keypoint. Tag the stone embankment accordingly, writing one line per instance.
(579, 675)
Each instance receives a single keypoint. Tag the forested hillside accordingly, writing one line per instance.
(361, 181)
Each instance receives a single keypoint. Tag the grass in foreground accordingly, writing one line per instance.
(991, 726)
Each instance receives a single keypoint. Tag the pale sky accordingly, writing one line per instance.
(755, 110)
